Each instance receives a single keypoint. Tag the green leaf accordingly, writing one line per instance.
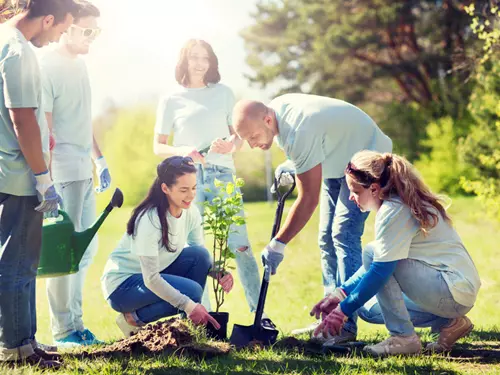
(230, 188)
(218, 183)
(240, 182)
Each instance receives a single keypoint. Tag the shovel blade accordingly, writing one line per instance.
(245, 335)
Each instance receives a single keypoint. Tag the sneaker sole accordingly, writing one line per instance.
(383, 355)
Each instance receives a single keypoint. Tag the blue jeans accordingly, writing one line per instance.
(416, 295)
(65, 293)
(20, 247)
(238, 239)
(341, 226)
(188, 274)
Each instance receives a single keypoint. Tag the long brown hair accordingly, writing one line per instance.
(168, 171)
(397, 176)
(181, 70)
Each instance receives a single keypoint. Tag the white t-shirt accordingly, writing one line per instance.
(124, 261)
(398, 236)
(66, 94)
(198, 117)
(20, 87)
(319, 130)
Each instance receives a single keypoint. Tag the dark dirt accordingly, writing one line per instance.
(167, 337)
(485, 354)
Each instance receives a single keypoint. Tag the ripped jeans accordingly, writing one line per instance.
(239, 244)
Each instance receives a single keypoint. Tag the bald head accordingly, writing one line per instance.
(254, 122)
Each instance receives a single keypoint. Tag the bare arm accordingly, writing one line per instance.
(28, 134)
(163, 149)
(48, 116)
(96, 151)
(309, 186)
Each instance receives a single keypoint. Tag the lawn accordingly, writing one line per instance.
(292, 292)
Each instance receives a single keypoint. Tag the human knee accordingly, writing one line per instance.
(194, 291)
(203, 257)
(368, 252)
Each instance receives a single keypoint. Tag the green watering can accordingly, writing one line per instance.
(63, 248)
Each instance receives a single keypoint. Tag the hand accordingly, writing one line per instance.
(284, 173)
(200, 316)
(47, 195)
(328, 304)
(52, 142)
(332, 324)
(221, 146)
(195, 155)
(272, 256)
(226, 281)
(102, 172)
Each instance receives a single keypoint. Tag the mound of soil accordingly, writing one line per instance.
(168, 337)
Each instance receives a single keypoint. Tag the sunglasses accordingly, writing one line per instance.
(363, 178)
(177, 161)
(87, 32)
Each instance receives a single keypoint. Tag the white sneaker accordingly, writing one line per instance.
(395, 345)
(127, 329)
(309, 329)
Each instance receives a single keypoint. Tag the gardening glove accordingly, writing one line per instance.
(200, 316)
(332, 324)
(47, 195)
(226, 281)
(327, 304)
(284, 173)
(102, 172)
(272, 256)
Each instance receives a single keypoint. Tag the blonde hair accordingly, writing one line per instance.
(397, 176)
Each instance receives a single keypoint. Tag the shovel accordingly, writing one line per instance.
(257, 333)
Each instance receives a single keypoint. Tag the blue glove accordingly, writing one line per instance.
(47, 194)
(272, 256)
(284, 173)
(102, 172)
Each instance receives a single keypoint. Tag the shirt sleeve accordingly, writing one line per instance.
(230, 100)
(369, 284)
(146, 241)
(159, 286)
(164, 117)
(395, 228)
(195, 234)
(306, 151)
(20, 81)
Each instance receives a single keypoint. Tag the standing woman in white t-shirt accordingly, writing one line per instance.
(198, 114)
(416, 252)
(151, 274)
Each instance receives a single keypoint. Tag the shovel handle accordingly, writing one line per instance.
(276, 226)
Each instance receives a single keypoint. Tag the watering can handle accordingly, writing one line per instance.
(276, 226)
(65, 216)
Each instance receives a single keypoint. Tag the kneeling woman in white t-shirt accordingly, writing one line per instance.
(416, 252)
(151, 274)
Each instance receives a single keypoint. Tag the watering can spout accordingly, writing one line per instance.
(81, 240)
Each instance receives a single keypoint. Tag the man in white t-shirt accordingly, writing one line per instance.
(319, 136)
(67, 104)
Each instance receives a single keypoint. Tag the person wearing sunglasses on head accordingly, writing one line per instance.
(67, 104)
(417, 256)
(160, 266)
(318, 135)
(198, 113)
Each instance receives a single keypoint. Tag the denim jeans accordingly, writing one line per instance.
(238, 239)
(188, 274)
(65, 293)
(416, 295)
(20, 247)
(341, 226)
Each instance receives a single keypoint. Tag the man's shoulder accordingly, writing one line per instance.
(14, 45)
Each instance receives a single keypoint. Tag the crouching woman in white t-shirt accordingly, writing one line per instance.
(416, 252)
(151, 274)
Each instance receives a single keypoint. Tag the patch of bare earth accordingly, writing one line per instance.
(167, 337)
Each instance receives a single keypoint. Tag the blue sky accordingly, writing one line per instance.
(133, 60)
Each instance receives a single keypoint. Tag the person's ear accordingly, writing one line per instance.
(165, 189)
(375, 189)
(47, 22)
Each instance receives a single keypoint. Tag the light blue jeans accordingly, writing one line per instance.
(238, 239)
(65, 293)
(341, 226)
(20, 247)
(416, 295)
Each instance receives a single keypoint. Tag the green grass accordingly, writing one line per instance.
(292, 292)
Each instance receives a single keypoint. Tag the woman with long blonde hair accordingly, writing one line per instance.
(416, 254)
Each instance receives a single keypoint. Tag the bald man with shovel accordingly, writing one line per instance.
(319, 135)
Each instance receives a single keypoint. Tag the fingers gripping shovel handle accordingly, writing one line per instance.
(276, 226)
